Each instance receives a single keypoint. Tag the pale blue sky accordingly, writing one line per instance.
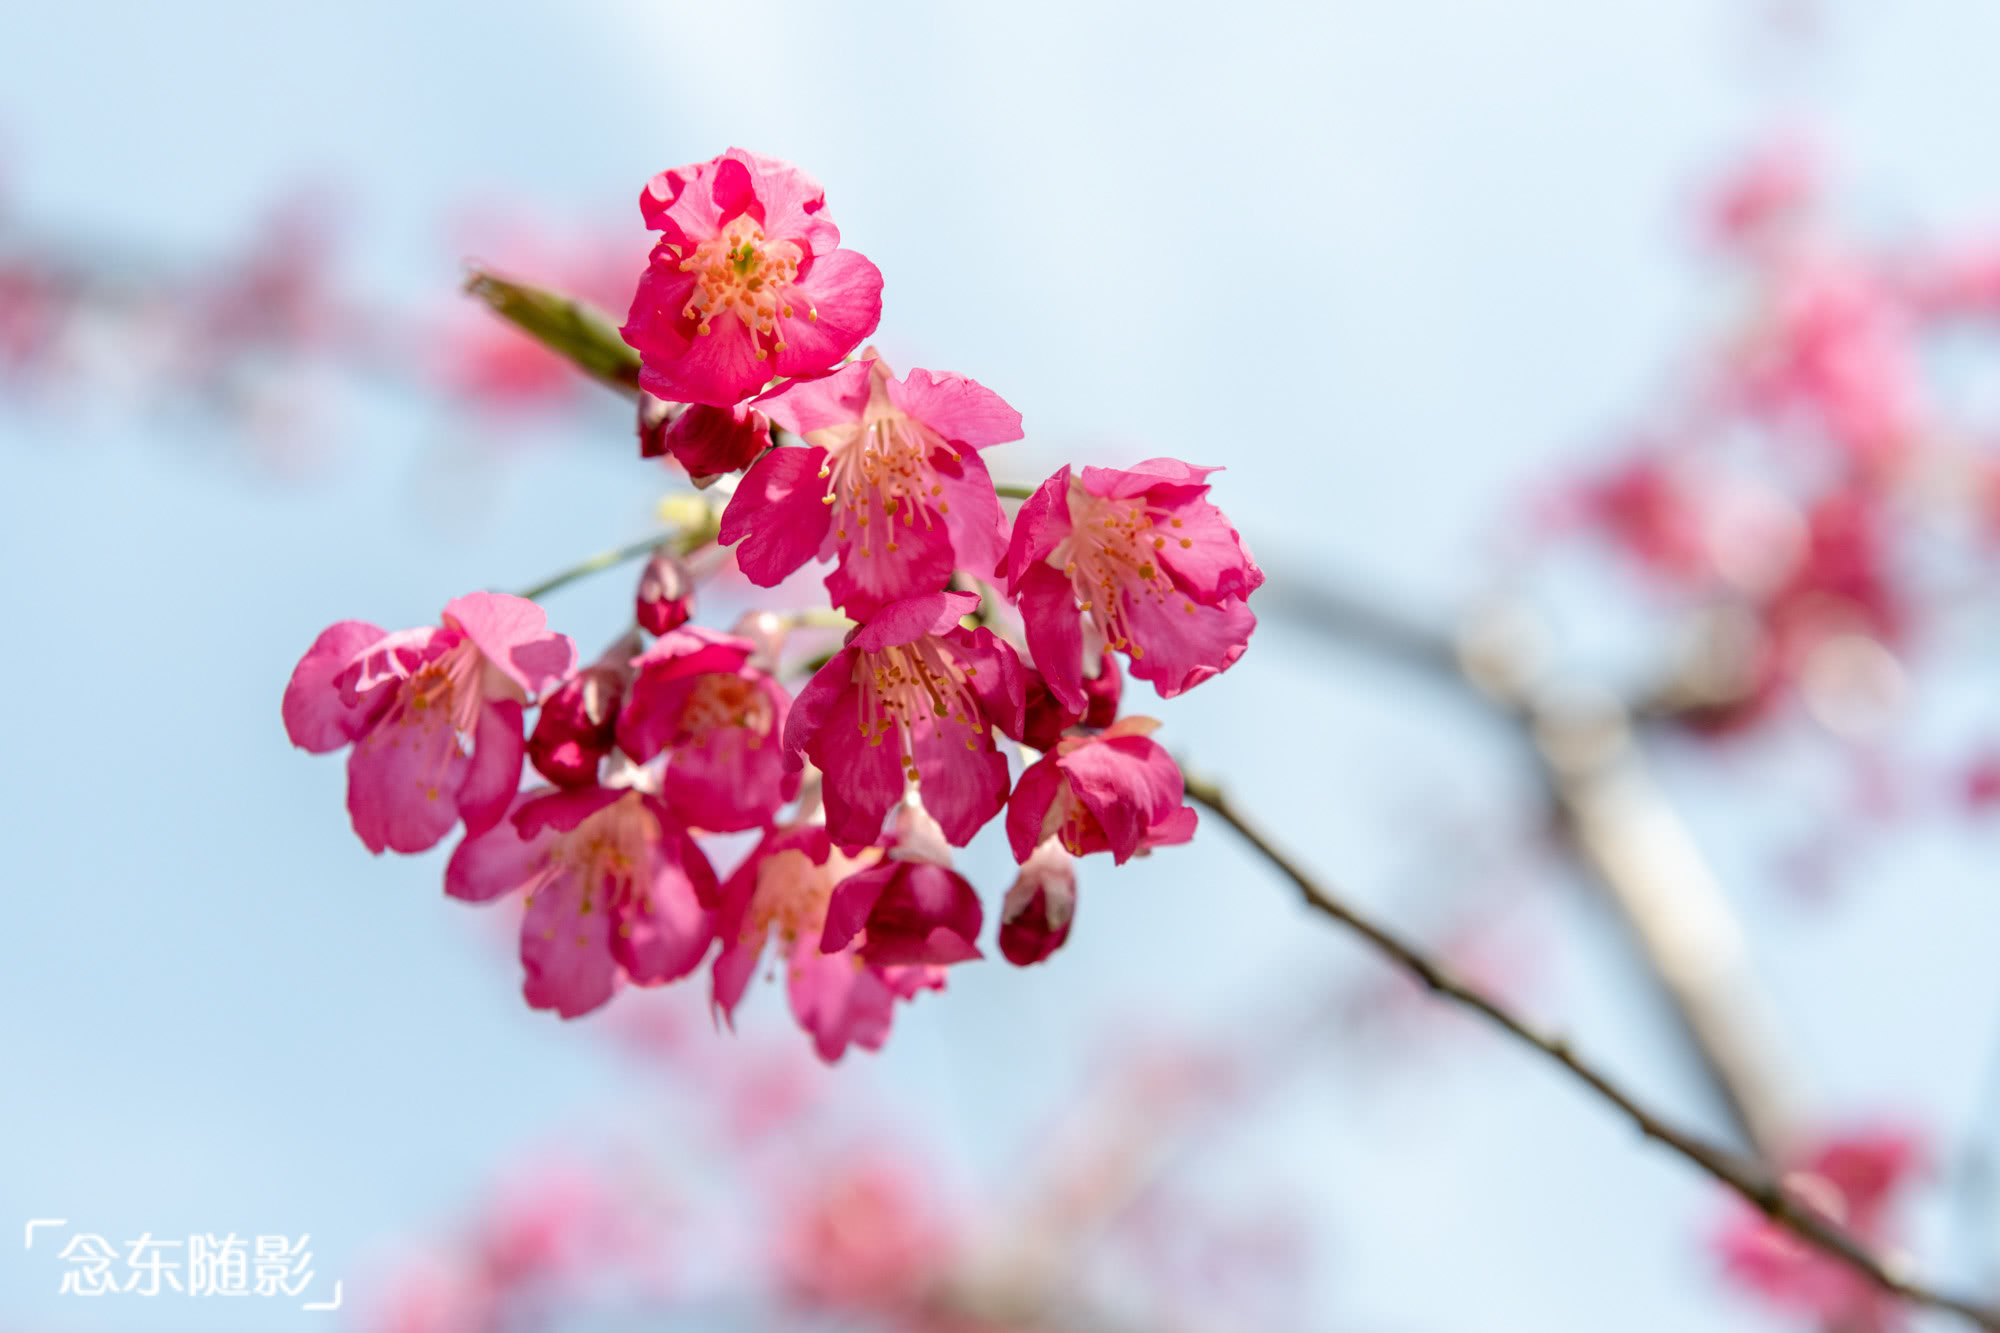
(1385, 261)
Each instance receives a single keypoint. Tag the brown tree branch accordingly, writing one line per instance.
(1753, 1180)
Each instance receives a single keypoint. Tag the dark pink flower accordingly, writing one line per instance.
(909, 908)
(1036, 916)
(1117, 792)
(707, 441)
(1854, 1180)
(665, 598)
(1157, 570)
(912, 700)
(890, 482)
(616, 890)
(747, 282)
(785, 886)
(433, 714)
(577, 725)
(697, 698)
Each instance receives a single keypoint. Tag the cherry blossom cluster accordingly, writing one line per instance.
(976, 646)
(1825, 474)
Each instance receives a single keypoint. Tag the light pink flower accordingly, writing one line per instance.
(785, 886)
(910, 907)
(913, 699)
(1039, 909)
(707, 441)
(616, 890)
(1157, 570)
(863, 1237)
(747, 282)
(433, 714)
(697, 698)
(1117, 792)
(1854, 1180)
(890, 482)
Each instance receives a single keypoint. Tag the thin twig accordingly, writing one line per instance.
(1750, 1179)
(603, 560)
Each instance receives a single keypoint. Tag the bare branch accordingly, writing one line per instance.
(1758, 1185)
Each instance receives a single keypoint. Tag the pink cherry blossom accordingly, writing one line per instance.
(1039, 908)
(1157, 570)
(909, 908)
(1117, 792)
(697, 697)
(890, 482)
(707, 441)
(433, 714)
(615, 890)
(863, 1237)
(576, 727)
(912, 700)
(1855, 1181)
(747, 282)
(785, 886)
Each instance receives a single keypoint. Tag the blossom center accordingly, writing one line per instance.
(742, 272)
(718, 702)
(607, 853)
(880, 467)
(913, 684)
(1112, 557)
(793, 891)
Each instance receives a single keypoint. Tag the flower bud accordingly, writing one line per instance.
(578, 723)
(1036, 916)
(666, 594)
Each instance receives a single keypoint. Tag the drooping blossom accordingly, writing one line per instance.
(615, 889)
(911, 700)
(1117, 791)
(1158, 572)
(1035, 917)
(1855, 1181)
(576, 727)
(433, 714)
(665, 597)
(784, 887)
(698, 697)
(890, 483)
(748, 281)
(911, 907)
(708, 441)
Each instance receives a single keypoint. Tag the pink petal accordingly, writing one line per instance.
(1213, 563)
(1040, 526)
(316, 717)
(513, 634)
(912, 618)
(822, 702)
(668, 938)
(1028, 807)
(790, 202)
(844, 291)
(1181, 643)
(403, 780)
(840, 1004)
(920, 562)
(963, 787)
(835, 398)
(777, 515)
(710, 441)
(486, 865)
(1124, 483)
(566, 951)
(960, 409)
(1054, 630)
(736, 780)
(494, 776)
(998, 679)
(853, 899)
(862, 780)
(978, 528)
